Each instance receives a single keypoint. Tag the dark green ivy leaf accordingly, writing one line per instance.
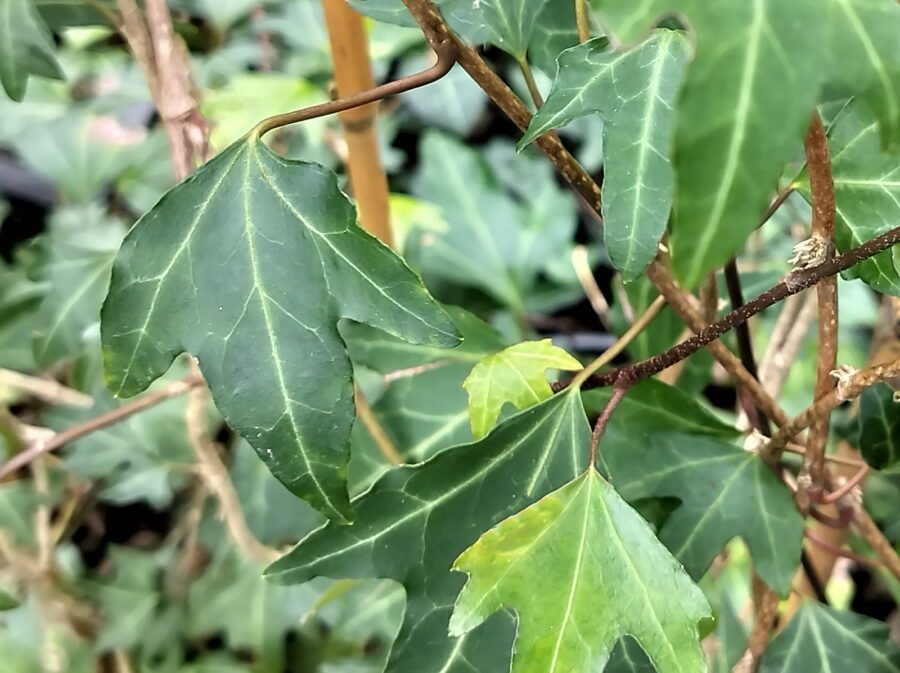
(724, 492)
(415, 521)
(26, 47)
(820, 638)
(249, 265)
(879, 427)
(735, 129)
(635, 92)
(7, 602)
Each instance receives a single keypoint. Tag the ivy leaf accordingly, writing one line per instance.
(286, 239)
(864, 60)
(735, 131)
(719, 486)
(635, 92)
(511, 23)
(415, 521)
(819, 638)
(582, 569)
(515, 374)
(879, 427)
(866, 191)
(81, 247)
(66, 13)
(26, 47)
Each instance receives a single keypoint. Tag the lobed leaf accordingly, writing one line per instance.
(249, 265)
(819, 638)
(415, 521)
(516, 375)
(582, 569)
(635, 92)
(719, 485)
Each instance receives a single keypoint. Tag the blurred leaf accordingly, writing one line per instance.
(275, 515)
(7, 602)
(80, 153)
(879, 427)
(269, 217)
(516, 375)
(232, 598)
(409, 213)
(635, 93)
(18, 503)
(819, 638)
(494, 242)
(27, 47)
(718, 484)
(581, 569)
(82, 244)
(146, 457)
(247, 98)
(64, 13)
(454, 103)
(867, 193)
(20, 299)
(414, 521)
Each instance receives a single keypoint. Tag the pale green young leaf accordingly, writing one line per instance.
(879, 427)
(635, 92)
(866, 192)
(285, 238)
(516, 375)
(26, 47)
(415, 521)
(819, 638)
(581, 569)
(719, 485)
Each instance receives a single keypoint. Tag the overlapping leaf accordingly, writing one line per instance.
(819, 638)
(582, 569)
(879, 427)
(636, 93)
(415, 521)
(249, 265)
(511, 23)
(423, 407)
(866, 191)
(719, 486)
(26, 47)
(735, 131)
(517, 375)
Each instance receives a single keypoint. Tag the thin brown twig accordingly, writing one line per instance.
(840, 551)
(530, 82)
(818, 161)
(837, 460)
(848, 389)
(446, 51)
(592, 291)
(794, 283)
(618, 393)
(46, 390)
(869, 531)
(117, 415)
(766, 602)
(846, 487)
(791, 330)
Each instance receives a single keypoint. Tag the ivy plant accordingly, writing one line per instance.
(403, 381)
